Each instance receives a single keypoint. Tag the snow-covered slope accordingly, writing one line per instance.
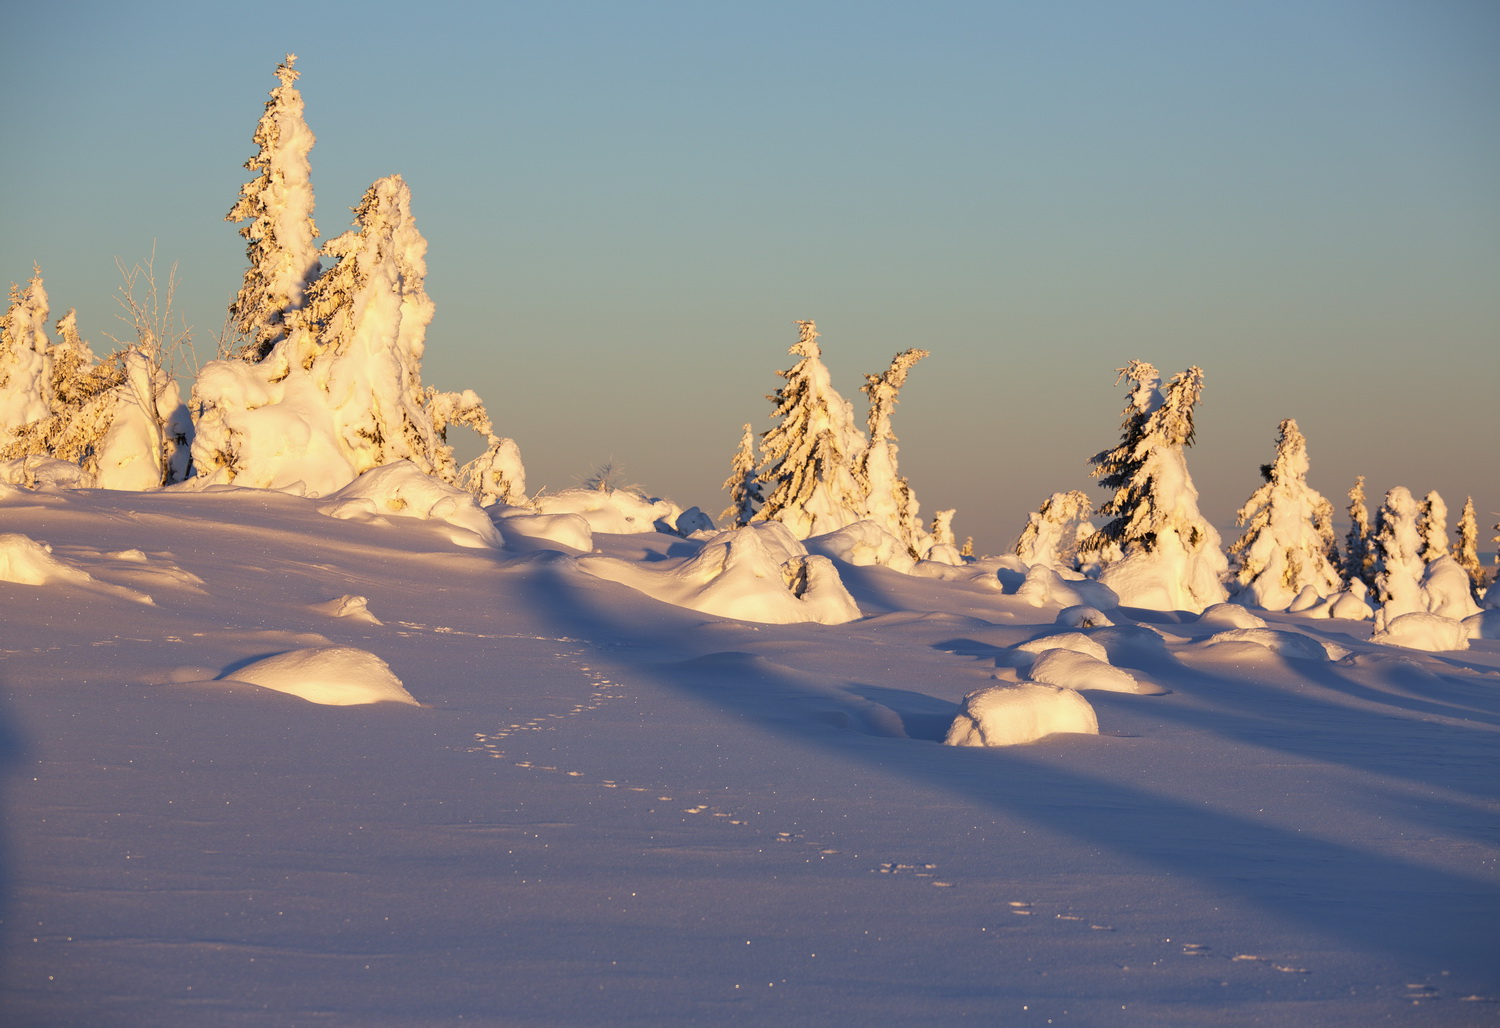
(611, 810)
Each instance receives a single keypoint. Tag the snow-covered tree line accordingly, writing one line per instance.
(817, 471)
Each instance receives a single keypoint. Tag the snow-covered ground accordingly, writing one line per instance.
(608, 809)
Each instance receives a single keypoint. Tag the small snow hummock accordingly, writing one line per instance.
(1285, 644)
(354, 608)
(1012, 715)
(1044, 585)
(863, 544)
(1069, 669)
(614, 511)
(756, 573)
(1420, 630)
(525, 529)
(25, 561)
(402, 490)
(339, 676)
(1231, 615)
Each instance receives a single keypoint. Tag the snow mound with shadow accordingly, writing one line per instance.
(1283, 644)
(616, 511)
(402, 490)
(1046, 585)
(1422, 631)
(751, 574)
(339, 676)
(1069, 669)
(25, 561)
(1012, 715)
(864, 544)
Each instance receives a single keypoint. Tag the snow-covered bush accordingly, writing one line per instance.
(747, 573)
(864, 543)
(1012, 715)
(616, 511)
(1420, 630)
(401, 490)
(1447, 590)
(1044, 585)
(1051, 535)
(1171, 557)
(1288, 546)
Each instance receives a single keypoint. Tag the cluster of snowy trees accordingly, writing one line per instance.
(324, 384)
(1158, 551)
(817, 471)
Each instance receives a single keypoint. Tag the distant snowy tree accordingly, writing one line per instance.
(809, 456)
(1467, 550)
(1288, 543)
(278, 204)
(343, 393)
(1172, 557)
(743, 484)
(890, 501)
(1359, 561)
(1432, 525)
(25, 366)
(1398, 562)
(1050, 536)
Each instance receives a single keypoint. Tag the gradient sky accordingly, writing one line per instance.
(628, 205)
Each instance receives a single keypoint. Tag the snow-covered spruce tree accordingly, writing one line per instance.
(1467, 550)
(1359, 561)
(808, 458)
(1398, 563)
(1172, 557)
(890, 501)
(1050, 536)
(1288, 543)
(744, 487)
(342, 393)
(278, 204)
(25, 366)
(1432, 526)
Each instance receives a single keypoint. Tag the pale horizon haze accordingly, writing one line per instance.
(628, 206)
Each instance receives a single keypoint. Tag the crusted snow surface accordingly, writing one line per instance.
(615, 810)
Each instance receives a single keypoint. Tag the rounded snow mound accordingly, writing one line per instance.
(339, 676)
(355, 608)
(1069, 669)
(525, 529)
(25, 561)
(1044, 585)
(47, 473)
(1083, 616)
(1284, 644)
(402, 490)
(1075, 641)
(1422, 631)
(864, 544)
(745, 573)
(616, 511)
(1448, 590)
(1012, 715)
(1232, 615)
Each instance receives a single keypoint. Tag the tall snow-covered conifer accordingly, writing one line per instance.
(1359, 561)
(1288, 543)
(1398, 562)
(278, 204)
(743, 485)
(25, 365)
(1467, 550)
(1172, 558)
(1432, 525)
(809, 456)
(890, 501)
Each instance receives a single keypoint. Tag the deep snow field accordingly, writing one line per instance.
(611, 810)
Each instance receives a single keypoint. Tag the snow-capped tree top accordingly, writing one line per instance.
(278, 204)
(884, 389)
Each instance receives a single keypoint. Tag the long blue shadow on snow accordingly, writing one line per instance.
(1428, 917)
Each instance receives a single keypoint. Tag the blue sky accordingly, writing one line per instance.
(627, 207)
